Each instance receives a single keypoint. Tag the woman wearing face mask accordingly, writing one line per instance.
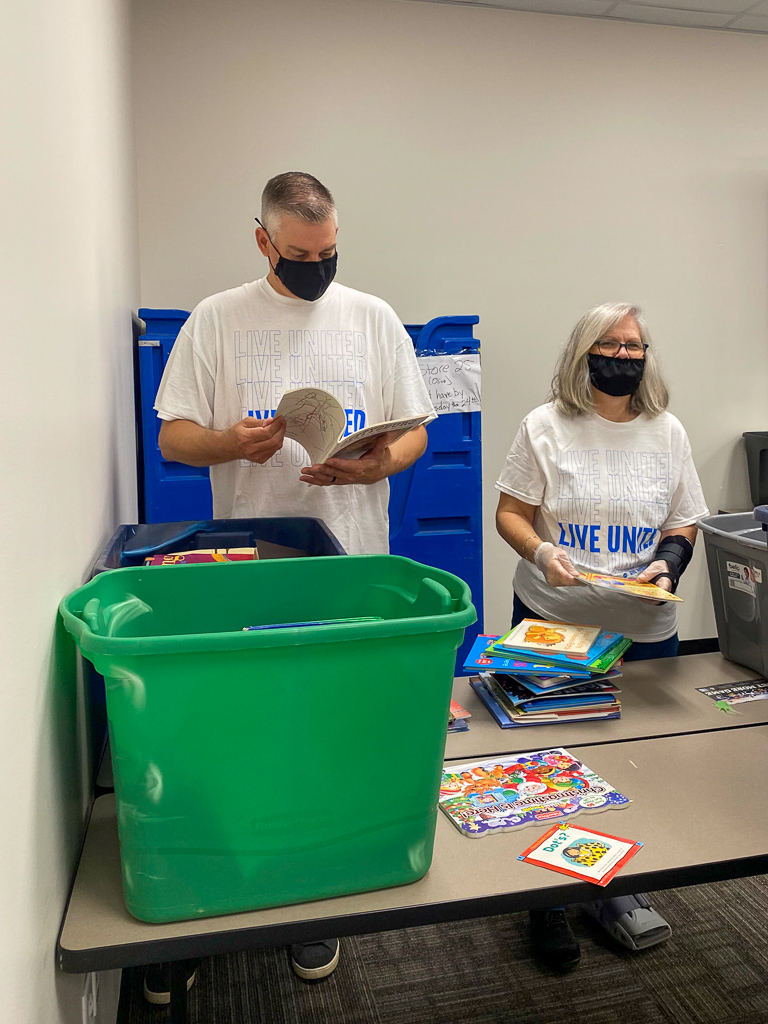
(601, 479)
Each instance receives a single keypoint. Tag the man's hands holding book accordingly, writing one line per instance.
(374, 465)
(257, 440)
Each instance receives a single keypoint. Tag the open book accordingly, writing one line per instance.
(316, 420)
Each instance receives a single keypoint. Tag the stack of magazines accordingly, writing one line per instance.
(545, 672)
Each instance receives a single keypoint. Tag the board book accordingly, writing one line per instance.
(512, 791)
(316, 420)
(537, 636)
(622, 585)
(581, 853)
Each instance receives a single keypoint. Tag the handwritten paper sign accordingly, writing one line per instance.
(453, 382)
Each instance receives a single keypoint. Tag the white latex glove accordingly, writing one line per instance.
(653, 570)
(555, 566)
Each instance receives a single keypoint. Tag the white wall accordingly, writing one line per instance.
(67, 464)
(523, 167)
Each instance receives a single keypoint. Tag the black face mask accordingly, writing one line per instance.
(615, 377)
(306, 279)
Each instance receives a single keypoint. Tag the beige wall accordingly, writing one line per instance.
(523, 167)
(67, 461)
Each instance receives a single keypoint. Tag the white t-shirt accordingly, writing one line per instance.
(604, 492)
(242, 349)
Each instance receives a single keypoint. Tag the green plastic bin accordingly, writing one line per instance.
(260, 768)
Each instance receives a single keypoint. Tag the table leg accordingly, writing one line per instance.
(179, 975)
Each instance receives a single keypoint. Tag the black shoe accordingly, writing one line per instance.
(157, 982)
(553, 941)
(315, 960)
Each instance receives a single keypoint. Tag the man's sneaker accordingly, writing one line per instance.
(553, 941)
(630, 920)
(157, 982)
(315, 960)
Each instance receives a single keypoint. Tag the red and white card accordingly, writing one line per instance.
(581, 853)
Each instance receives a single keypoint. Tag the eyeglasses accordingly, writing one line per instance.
(634, 349)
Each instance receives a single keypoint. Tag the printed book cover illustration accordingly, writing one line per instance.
(621, 585)
(512, 791)
(317, 421)
(581, 853)
(602, 655)
(478, 658)
(541, 637)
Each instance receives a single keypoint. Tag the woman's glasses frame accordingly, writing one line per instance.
(634, 349)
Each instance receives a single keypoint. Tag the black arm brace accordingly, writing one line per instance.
(676, 551)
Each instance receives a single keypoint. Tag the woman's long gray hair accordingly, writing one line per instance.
(571, 390)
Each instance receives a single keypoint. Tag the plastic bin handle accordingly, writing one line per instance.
(107, 620)
(433, 598)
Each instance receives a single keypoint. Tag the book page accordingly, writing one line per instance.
(314, 419)
(357, 444)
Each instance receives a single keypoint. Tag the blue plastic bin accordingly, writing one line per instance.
(274, 537)
(435, 506)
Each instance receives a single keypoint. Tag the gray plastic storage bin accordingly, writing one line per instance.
(737, 558)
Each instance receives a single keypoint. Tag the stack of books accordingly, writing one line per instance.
(545, 672)
(458, 718)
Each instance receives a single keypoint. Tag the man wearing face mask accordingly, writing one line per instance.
(234, 359)
(242, 349)
(601, 479)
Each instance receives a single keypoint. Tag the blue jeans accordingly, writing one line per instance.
(639, 651)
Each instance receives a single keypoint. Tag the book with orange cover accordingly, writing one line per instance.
(624, 585)
(538, 636)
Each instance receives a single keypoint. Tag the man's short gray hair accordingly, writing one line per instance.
(296, 194)
(571, 391)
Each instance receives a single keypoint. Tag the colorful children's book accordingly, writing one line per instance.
(317, 421)
(513, 791)
(599, 664)
(581, 853)
(603, 639)
(203, 555)
(623, 585)
(536, 636)
(457, 711)
(479, 660)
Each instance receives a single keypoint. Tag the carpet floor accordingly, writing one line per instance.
(714, 970)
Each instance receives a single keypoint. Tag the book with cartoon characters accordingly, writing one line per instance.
(581, 853)
(480, 660)
(316, 420)
(536, 636)
(513, 791)
(604, 653)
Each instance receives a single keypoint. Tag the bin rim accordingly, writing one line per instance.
(189, 643)
(706, 527)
